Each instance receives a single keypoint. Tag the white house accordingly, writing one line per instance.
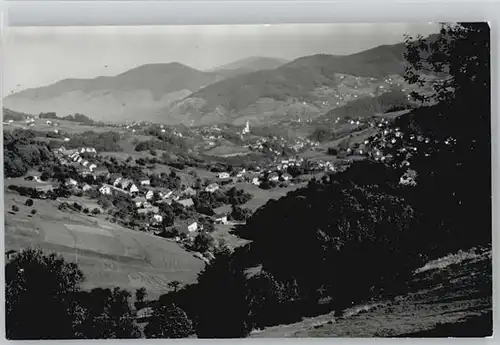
(149, 195)
(117, 181)
(273, 177)
(126, 183)
(66, 139)
(158, 218)
(133, 189)
(186, 202)
(256, 181)
(212, 187)
(71, 182)
(105, 190)
(139, 201)
(167, 194)
(145, 182)
(223, 175)
(86, 187)
(85, 163)
(221, 219)
(193, 227)
(92, 167)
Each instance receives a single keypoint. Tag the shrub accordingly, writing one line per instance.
(169, 322)
(33, 211)
(29, 202)
(15, 208)
(332, 151)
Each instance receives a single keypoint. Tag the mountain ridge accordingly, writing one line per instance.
(176, 93)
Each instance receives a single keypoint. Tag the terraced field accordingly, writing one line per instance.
(108, 254)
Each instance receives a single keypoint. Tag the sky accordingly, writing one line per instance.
(38, 56)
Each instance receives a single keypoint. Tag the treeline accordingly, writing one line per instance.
(22, 151)
(80, 118)
(205, 202)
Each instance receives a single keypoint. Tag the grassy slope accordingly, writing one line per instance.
(108, 254)
(445, 301)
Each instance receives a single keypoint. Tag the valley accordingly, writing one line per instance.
(318, 196)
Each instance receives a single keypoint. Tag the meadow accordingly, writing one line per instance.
(108, 254)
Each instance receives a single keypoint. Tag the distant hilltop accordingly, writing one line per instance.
(260, 90)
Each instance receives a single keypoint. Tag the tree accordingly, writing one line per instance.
(29, 202)
(140, 295)
(169, 322)
(221, 305)
(240, 214)
(202, 242)
(332, 151)
(168, 217)
(458, 119)
(33, 211)
(37, 284)
(174, 285)
(107, 314)
(15, 208)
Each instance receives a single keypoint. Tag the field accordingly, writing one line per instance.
(446, 297)
(222, 232)
(64, 126)
(261, 196)
(108, 254)
(227, 150)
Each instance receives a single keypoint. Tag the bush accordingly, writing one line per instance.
(29, 202)
(240, 214)
(15, 208)
(33, 211)
(202, 242)
(332, 151)
(169, 322)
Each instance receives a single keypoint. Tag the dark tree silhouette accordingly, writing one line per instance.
(222, 309)
(37, 286)
(174, 285)
(454, 177)
(106, 314)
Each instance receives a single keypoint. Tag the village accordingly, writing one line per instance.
(180, 209)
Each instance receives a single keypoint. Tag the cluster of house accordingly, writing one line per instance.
(296, 145)
(145, 198)
(82, 157)
(407, 145)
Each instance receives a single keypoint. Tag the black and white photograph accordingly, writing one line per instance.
(247, 181)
